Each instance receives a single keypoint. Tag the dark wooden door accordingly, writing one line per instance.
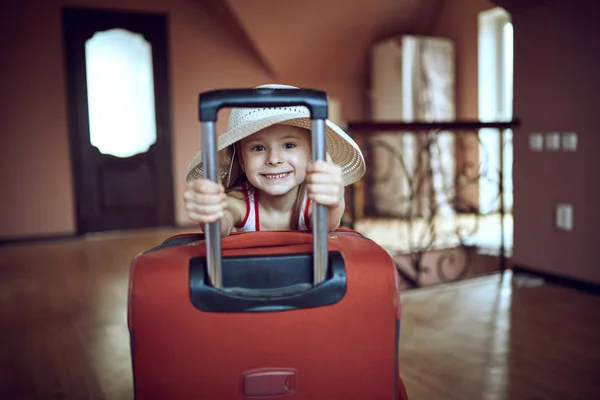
(116, 192)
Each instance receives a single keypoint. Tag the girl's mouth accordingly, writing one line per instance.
(276, 176)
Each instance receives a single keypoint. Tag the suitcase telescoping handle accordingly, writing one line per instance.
(209, 104)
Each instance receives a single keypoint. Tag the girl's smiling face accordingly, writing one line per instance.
(275, 159)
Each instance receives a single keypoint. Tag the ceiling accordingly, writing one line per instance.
(325, 38)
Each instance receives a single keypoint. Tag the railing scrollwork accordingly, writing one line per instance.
(430, 179)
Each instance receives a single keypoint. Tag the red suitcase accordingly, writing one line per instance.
(265, 314)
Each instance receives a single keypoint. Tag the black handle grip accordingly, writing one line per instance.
(209, 103)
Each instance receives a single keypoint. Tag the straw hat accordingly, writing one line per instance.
(244, 122)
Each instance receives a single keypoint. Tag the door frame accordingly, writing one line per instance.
(77, 107)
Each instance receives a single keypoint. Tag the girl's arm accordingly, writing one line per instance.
(335, 214)
(207, 202)
(232, 215)
(325, 187)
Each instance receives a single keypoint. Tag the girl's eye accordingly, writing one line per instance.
(258, 147)
(290, 145)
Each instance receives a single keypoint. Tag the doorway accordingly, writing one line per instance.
(119, 118)
(495, 46)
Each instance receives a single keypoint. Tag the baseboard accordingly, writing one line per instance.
(36, 238)
(572, 283)
(74, 235)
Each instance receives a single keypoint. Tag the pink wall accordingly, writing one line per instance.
(458, 21)
(37, 191)
(557, 88)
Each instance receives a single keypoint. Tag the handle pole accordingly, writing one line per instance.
(319, 216)
(213, 230)
(209, 104)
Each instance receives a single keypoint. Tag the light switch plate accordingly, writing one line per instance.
(553, 141)
(569, 141)
(536, 141)
(564, 216)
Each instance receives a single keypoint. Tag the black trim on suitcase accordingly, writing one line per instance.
(279, 282)
(176, 241)
(396, 360)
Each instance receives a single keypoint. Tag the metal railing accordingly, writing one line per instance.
(426, 175)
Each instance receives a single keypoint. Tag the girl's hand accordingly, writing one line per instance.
(324, 183)
(205, 201)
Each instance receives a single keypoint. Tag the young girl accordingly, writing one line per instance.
(268, 179)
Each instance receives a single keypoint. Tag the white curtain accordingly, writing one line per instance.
(417, 86)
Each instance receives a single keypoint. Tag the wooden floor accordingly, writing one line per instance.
(64, 330)
(491, 338)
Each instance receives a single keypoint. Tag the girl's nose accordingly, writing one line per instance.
(274, 157)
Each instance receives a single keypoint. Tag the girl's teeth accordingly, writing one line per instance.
(276, 176)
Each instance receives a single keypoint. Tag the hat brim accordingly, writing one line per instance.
(342, 149)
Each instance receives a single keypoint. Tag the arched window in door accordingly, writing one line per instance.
(120, 91)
